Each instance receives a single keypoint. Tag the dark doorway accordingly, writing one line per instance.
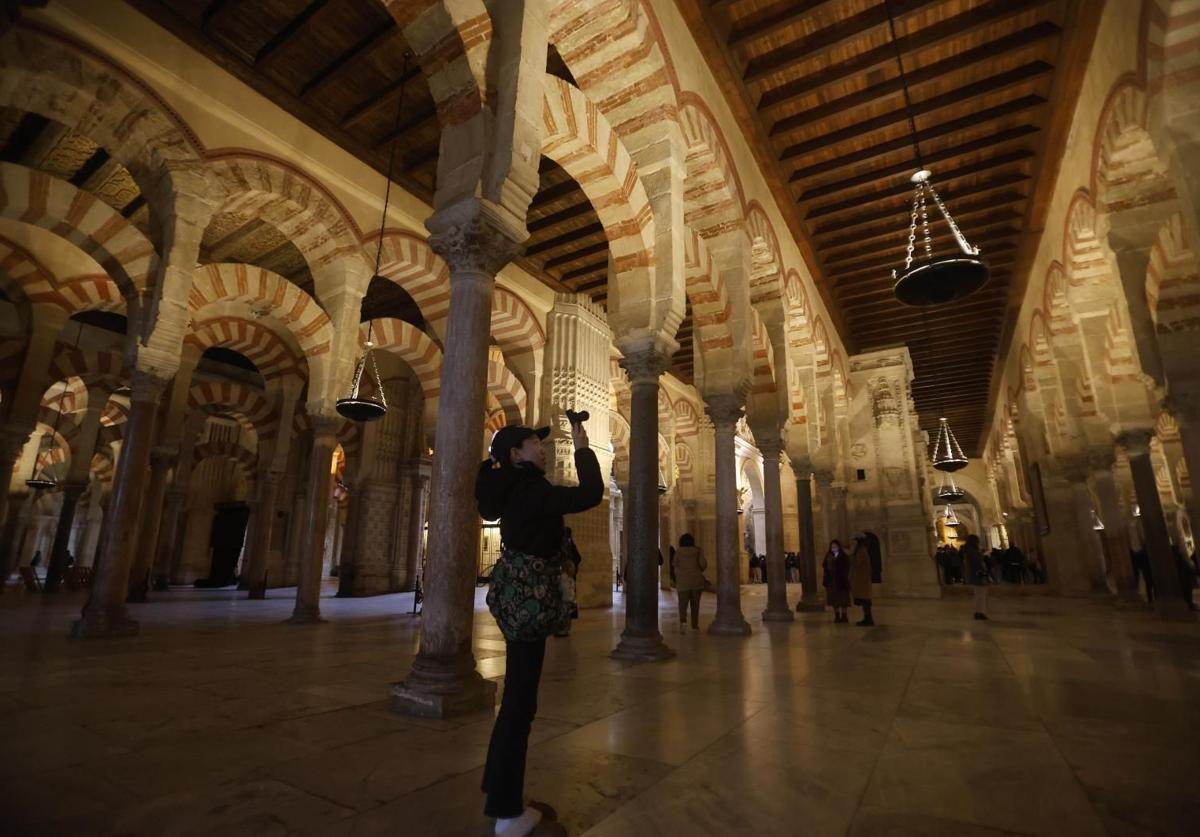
(225, 542)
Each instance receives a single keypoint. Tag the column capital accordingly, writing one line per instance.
(471, 242)
(1101, 458)
(1136, 441)
(824, 479)
(325, 425)
(1074, 468)
(146, 386)
(645, 366)
(770, 447)
(725, 410)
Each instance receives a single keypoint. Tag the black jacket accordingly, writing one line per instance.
(530, 509)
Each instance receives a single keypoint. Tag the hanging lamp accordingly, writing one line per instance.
(950, 518)
(927, 281)
(949, 492)
(41, 481)
(360, 406)
(1097, 523)
(947, 455)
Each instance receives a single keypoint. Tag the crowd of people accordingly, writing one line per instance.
(1011, 565)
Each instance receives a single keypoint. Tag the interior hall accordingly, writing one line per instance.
(885, 316)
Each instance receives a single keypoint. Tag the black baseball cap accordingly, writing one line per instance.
(513, 436)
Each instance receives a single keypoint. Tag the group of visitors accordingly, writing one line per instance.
(1187, 567)
(847, 577)
(1010, 565)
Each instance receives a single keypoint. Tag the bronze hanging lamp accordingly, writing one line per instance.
(358, 405)
(949, 492)
(947, 455)
(928, 280)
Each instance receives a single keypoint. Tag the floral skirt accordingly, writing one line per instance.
(525, 596)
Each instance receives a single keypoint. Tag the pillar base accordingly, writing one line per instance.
(730, 628)
(305, 617)
(443, 687)
(642, 649)
(102, 626)
(784, 615)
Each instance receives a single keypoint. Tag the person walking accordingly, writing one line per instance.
(977, 575)
(525, 597)
(689, 579)
(836, 578)
(860, 579)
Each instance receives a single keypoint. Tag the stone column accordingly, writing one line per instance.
(641, 639)
(777, 606)
(260, 543)
(1089, 555)
(161, 460)
(443, 680)
(71, 492)
(75, 484)
(316, 516)
(1116, 528)
(810, 598)
(725, 410)
(1186, 410)
(1168, 599)
(105, 615)
(824, 481)
(841, 515)
(12, 442)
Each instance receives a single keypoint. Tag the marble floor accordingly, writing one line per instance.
(1058, 718)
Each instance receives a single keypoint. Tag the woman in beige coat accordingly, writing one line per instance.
(689, 579)
(860, 578)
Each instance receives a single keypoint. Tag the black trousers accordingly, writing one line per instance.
(689, 598)
(504, 773)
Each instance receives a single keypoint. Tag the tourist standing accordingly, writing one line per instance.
(860, 579)
(525, 597)
(836, 578)
(689, 579)
(977, 575)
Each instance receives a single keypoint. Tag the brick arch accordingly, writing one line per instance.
(1055, 301)
(417, 349)
(229, 450)
(712, 191)
(59, 78)
(799, 311)
(301, 209)
(1083, 253)
(495, 416)
(410, 262)
(684, 462)
(23, 277)
(618, 56)
(267, 294)
(821, 348)
(271, 353)
(766, 274)
(763, 362)
(1173, 280)
(89, 365)
(1041, 338)
(706, 291)
(1126, 167)
(503, 385)
(83, 220)
(514, 327)
(93, 292)
(115, 411)
(249, 404)
(618, 431)
(579, 138)
(687, 420)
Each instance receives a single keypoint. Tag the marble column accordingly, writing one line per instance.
(161, 460)
(82, 449)
(443, 680)
(260, 534)
(1186, 410)
(316, 517)
(810, 598)
(1116, 528)
(641, 639)
(1168, 598)
(105, 615)
(824, 480)
(1090, 553)
(725, 410)
(777, 606)
(841, 515)
(71, 492)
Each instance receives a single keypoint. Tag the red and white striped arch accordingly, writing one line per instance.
(417, 349)
(504, 386)
(712, 190)
(89, 365)
(514, 327)
(263, 293)
(82, 219)
(763, 359)
(224, 448)
(706, 291)
(578, 137)
(239, 400)
(687, 420)
(766, 260)
(273, 355)
(410, 262)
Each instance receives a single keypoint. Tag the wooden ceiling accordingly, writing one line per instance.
(993, 85)
(338, 66)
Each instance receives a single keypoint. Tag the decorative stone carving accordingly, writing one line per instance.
(645, 367)
(469, 242)
(724, 410)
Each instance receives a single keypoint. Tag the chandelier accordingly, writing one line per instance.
(947, 456)
(41, 481)
(927, 280)
(949, 492)
(360, 406)
(1097, 523)
(950, 518)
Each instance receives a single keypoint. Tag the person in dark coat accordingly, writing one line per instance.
(689, 574)
(1142, 571)
(860, 579)
(836, 578)
(512, 486)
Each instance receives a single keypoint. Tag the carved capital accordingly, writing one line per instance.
(770, 447)
(325, 427)
(1136, 442)
(645, 367)
(469, 242)
(1101, 459)
(146, 386)
(724, 410)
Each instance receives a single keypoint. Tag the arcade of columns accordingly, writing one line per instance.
(1098, 408)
